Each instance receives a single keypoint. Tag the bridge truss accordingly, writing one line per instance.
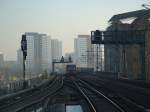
(122, 38)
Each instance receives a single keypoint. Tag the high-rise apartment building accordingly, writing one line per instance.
(1, 61)
(1, 66)
(20, 61)
(46, 53)
(83, 51)
(39, 58)
(56, 46)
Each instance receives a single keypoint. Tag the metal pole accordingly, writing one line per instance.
(24, 51)
(53, 67)
(101, 57)
(24, 74)
(97, 58)
(110, 53)
(34, 108)
(124, 62)
(143, 74)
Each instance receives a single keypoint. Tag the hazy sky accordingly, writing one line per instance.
(62, 19)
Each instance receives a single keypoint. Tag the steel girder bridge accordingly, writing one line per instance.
(122, 38)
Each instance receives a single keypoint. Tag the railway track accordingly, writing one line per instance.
(15, 97)
(29, 99)
(138, 83)
(129, 97)
(93, 96)
(45, 94)
(98, 95)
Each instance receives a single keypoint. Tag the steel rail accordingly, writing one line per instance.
(12, 98)
(25, 97)
(50, 93)
(8, 96)
(104, 96)
(128, 102)
(18, 98)
(136, 89)
(89, 102)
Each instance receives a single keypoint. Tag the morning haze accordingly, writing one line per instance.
(62, 19)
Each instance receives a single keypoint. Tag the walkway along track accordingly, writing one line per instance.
(121, 93)
(35, 96)
(85, 89)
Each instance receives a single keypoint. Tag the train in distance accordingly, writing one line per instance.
(71, 69)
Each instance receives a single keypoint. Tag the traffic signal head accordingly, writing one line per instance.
(23, 43)
(24, 46)
(98, 33)
(96, 37)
